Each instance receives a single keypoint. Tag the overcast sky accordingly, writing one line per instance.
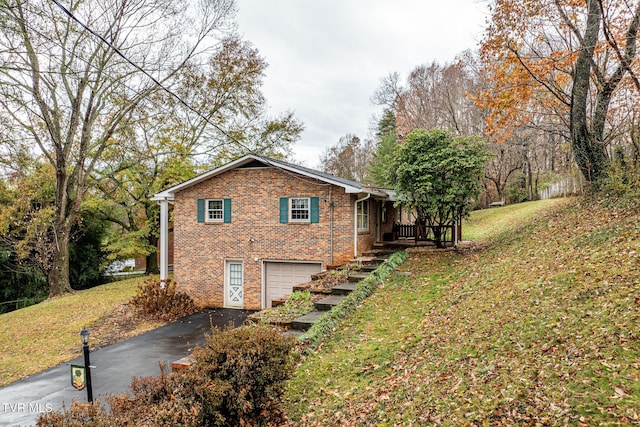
(326, 57)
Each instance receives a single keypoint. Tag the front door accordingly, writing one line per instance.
(234, 285)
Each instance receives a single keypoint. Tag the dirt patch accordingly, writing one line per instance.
(119, 325)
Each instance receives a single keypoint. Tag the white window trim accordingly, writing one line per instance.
(207, 210)
(308, 219)
(359, 206)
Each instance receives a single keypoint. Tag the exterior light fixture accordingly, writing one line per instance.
(84, 335)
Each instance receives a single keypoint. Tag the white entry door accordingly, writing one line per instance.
(233, 284)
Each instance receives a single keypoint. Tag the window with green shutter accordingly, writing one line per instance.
(214, 210)
(200, 210)
(315, 210)
(284, 210)
(226, 210)
(299, 210)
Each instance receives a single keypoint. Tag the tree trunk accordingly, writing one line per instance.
(529, 180)
(152, 258)
(502, 198)
(437, 236)
(58, 275)
(589, 153)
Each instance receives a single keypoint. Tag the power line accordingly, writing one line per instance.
(174, 95)
(153, 79)
(91, 65)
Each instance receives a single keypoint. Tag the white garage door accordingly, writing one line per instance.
(281, 277)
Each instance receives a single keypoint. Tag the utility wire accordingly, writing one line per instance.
(153, 79)
(87, 62)
(177, 97)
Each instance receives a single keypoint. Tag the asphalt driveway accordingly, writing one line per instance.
(21, 402)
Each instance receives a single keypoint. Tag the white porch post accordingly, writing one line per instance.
(164, 240)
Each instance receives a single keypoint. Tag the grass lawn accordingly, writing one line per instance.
(537, 325)
(490, 223)
(44, 335)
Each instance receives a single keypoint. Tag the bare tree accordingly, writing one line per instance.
(70, 79)
(438, 97)
(349, 158)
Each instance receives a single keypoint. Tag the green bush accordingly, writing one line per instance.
(622, 182)
(158, 300)
(237, 379)
(517, 189)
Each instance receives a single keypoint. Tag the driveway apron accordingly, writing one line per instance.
(21, 402)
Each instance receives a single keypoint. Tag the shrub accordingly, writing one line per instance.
(237, 379)
(622, 182)
(79, 415)
(155, 301)
(255, 362)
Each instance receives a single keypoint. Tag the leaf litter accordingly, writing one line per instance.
(541, 326)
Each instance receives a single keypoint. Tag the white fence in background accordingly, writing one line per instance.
(565, 187)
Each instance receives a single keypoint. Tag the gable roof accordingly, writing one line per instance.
(254, 160)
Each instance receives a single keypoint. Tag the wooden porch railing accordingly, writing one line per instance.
(422, 232)
(405, 231)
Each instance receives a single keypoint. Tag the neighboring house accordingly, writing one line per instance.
(245, 233)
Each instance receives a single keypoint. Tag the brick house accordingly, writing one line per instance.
(248, 231)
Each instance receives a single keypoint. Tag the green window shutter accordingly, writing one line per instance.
(284, 210)
(226, 205)
(315, 210)
(200, 210)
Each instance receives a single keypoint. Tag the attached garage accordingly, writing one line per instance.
(281, 277)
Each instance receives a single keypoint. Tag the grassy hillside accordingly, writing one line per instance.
(538, 325)
(42, 336)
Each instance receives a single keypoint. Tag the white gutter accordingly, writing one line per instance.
(355, 225)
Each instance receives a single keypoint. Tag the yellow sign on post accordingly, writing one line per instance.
(78, 377)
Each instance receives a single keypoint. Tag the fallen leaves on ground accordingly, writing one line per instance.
(541, 327)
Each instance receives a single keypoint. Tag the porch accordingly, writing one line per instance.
(419, 234)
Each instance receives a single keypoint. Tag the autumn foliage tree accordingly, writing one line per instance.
(435, 96)
(563, 60)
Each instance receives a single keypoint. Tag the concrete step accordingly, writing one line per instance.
(369, 267)
(343, 289)
(182, 364)
(329, 302)
(356, 277)
(303, 323)
(382, 250)
(279, 301)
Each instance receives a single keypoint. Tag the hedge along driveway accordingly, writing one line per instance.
(364, 288)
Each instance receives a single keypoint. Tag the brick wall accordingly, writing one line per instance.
(201, 248)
